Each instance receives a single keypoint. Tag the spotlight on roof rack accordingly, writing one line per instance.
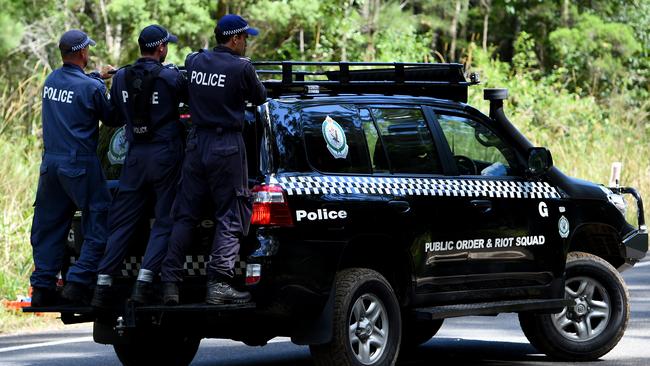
(312, 89)
(475, 78)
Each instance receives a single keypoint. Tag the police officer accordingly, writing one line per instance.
(71, 176)
(221, 81)
(147, 95)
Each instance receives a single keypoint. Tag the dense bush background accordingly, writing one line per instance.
(578, 71)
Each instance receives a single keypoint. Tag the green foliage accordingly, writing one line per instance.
(12, 31)
(594, 54)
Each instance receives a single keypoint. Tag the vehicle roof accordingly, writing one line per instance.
(367, 99)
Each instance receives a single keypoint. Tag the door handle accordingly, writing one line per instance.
(483, 206)
(400, 206)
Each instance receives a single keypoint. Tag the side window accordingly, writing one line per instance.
(334, 139)
(476, 149)
(375, 147)
(407, 141)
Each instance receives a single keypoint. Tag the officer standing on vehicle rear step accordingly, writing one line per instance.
(71, 176)
(147, 95)
(220, 83)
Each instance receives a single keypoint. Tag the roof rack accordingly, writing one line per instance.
(445, 81)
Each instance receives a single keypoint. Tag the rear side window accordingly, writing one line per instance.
(334, 139)
(406, 140)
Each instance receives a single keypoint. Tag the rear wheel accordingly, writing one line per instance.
(150, 349)
(367, 322)
(597, 321)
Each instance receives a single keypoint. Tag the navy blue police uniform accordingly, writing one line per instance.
(152, 165)
(220, 84)
(71, 176)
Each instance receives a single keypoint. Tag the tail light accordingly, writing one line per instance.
(270, 206)
(253, 273)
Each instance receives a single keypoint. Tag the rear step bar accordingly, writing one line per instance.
(194, 308)
(492, 308)
(88, 310)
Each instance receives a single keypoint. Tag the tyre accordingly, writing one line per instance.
(367, 322)
(168, 350)
(595, 324)
(416, 332)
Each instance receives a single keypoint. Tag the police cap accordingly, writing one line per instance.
(232, 24)
(74, 40)
(154, 35)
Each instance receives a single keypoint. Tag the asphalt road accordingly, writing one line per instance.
(476, 341)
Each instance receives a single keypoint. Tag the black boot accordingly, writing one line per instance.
(170, 293)
(76, 293)
(103, 297)
(142, 292)
(220, 292)
(42, 297)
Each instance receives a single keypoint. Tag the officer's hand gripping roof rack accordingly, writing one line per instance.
(444, 81)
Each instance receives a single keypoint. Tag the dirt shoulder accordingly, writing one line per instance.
(12, 322)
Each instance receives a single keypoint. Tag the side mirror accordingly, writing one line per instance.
(540, 160)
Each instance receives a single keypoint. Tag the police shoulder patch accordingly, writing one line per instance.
(117, 147)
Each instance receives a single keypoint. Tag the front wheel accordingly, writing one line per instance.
(595, 324)
(367, 322)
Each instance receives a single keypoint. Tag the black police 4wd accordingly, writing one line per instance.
(383, 204)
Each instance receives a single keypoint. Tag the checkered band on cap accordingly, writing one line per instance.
(157, 43)
(308, 185)
(234, 31)
(81, 45)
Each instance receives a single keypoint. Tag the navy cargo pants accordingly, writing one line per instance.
(68, 182)
(214, 167)
(150, 169)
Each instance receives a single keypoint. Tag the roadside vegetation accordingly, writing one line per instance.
(578, 72)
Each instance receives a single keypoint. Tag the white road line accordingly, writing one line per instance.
(642, 264)
(47, 344)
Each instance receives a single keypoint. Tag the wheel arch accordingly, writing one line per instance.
(379, 253)
(598, 239)
(368, 251)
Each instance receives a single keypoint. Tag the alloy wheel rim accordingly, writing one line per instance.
(590, 315)
(368, 329)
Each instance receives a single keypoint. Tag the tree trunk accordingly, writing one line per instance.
(565, 13)
(112, 36)
(222, 9)
(486, 5)
(453, 31)
(463, 21)
(302, 43)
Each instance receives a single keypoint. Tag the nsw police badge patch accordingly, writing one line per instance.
(337, 143)
(118, 147)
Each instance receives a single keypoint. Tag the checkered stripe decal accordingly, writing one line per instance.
(195, 265)
(305, 185)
